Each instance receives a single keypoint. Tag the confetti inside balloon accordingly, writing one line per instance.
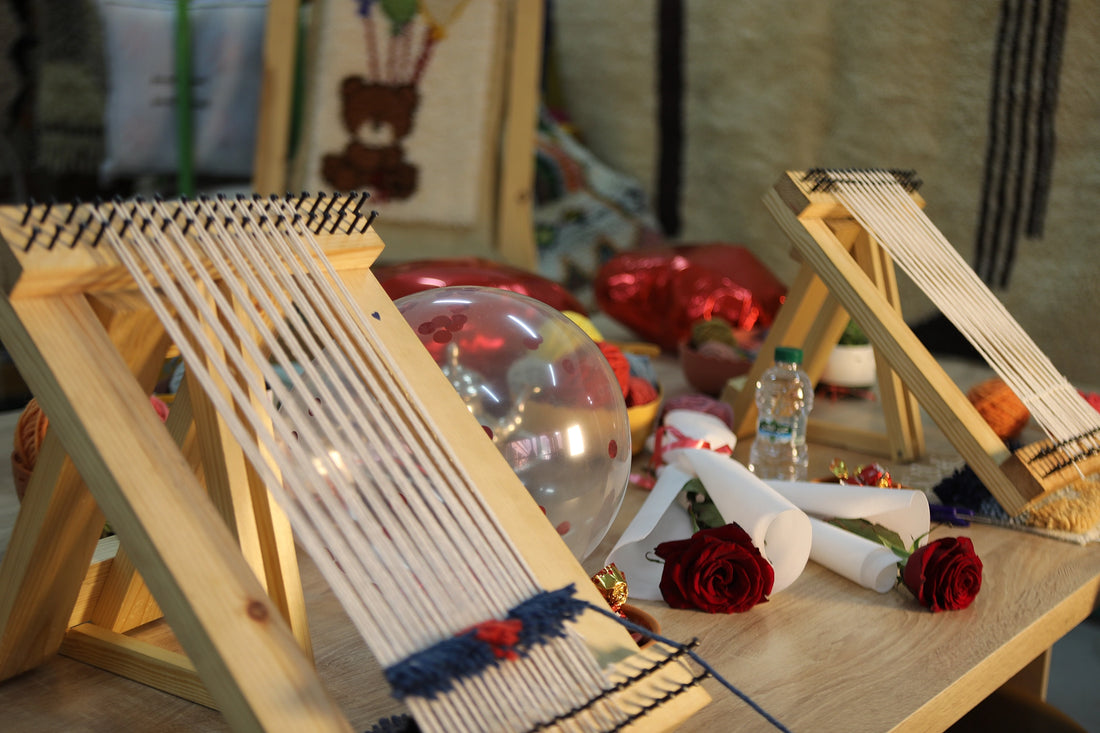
(542, 391)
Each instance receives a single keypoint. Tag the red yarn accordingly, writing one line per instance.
(641, 392)
(501, 636)
(619, 364)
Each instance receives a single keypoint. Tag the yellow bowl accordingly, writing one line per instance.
(642, 418)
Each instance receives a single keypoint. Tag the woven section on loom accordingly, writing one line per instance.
(437, 668)
(1075, 508)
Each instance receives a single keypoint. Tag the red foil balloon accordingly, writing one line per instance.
(407, 278)
(660, 292)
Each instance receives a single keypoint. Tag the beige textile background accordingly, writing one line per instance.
(778, 85)
(453, 138)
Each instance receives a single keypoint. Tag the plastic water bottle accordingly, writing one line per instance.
(784, 398)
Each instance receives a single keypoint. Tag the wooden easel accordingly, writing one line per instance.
(845, 271)
(813, 320)
(220, 565)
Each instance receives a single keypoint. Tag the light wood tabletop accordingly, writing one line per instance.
(823, 655)
(828, 655)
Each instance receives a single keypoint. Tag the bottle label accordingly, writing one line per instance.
(775, 431)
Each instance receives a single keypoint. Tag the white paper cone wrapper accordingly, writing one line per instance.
(778, 528)
(853, 557)
(905, 511)
(660, 519)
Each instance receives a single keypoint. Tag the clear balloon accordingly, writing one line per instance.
(543, 392)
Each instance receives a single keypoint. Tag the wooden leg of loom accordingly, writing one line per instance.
(813, 320)
(260, 527)
(59, 523)
(245, 654)
(904, 431)
(51, 546)
(122, 601)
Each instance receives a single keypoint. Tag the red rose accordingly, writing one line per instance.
(718, 570)
(944, 575)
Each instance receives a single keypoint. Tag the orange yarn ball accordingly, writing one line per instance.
(30, 430)
(1000, 407)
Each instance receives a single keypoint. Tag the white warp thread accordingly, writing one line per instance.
(885, 209)
(383, 508)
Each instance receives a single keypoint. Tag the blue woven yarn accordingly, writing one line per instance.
(435, 669)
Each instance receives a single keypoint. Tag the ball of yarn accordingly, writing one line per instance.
(641, 391)
(719, 350)
(619, 364)
(714, 329)
(1000, 407)
(30, 431)
(701, 403)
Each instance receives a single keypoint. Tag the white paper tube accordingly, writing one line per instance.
(660, 519)
(853, 557)
(904, 511)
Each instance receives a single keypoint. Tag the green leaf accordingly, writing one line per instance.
(853, 335)
(884, 536)
(702, 510)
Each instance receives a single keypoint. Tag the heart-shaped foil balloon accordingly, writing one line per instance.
(660, 292)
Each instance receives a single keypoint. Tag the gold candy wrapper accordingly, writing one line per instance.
(612, 585)
(870, 475)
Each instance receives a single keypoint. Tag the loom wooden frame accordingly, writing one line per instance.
(220, 565)
(845, 271)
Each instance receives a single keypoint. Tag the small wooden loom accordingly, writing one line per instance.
(425, 533)
(849, 227)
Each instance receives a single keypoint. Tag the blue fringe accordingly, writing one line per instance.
(433, 670)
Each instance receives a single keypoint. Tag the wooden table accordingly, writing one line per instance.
(823, 655)
(828, 655)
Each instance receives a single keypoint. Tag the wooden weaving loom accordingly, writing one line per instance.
(849, 227)
(424, 533)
